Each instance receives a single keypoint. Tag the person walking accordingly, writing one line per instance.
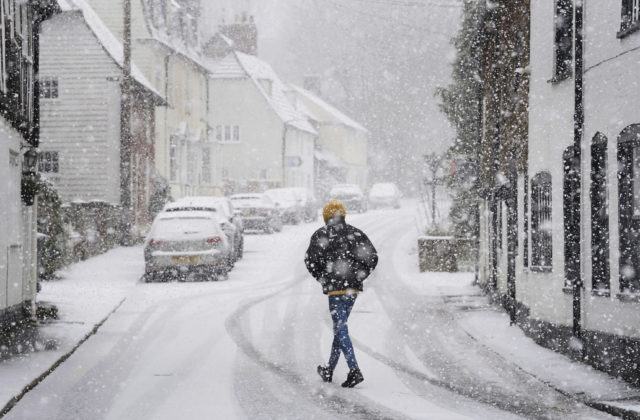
(340, 257)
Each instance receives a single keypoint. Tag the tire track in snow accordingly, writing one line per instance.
(457, 379)
(322, 396)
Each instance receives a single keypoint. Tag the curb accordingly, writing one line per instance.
(14, 400)
(614, 411)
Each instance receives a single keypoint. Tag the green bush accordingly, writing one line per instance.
(51, 234)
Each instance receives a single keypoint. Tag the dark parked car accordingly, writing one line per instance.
(351, 196)
(308, 204)
(289, 204)
(258, 212)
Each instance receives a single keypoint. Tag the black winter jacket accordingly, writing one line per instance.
(340, 256)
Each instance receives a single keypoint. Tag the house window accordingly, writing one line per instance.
(227, 133)
(600, 282)
(263, 174)
(173, 158)
(48, 87)
(630, 17)
(206, 165)
(48, 162)
(219, 133)
(563, 40)
(236, 133)
(541, 238)
(629, 208)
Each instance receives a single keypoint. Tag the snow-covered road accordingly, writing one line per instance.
(248, 347)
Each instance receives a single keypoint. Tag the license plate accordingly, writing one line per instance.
(247, 213)
(183, 260)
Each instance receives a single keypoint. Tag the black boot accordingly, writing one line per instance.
(325, 373)
(353, 378)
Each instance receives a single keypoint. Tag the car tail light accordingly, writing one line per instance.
(155, 242)
(213, 240)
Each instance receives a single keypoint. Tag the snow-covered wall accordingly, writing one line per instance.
(83, 123)
(14, 244)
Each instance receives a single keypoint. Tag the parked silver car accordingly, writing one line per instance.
(184, 242)
(258, 212)
(351, 196)
(384, 194)
(231, 224)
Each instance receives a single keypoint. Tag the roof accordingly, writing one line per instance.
(110, 43)
(337, 115)
(159, 35)
(239, 65)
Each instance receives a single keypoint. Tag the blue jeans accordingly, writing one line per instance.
(340, 308)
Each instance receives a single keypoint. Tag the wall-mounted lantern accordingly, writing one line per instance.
(29, 184)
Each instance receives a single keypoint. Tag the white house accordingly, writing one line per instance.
(579, 277)
(338, 136)
(264, 140)
(81, 103)
(165, 47)
(19, 138)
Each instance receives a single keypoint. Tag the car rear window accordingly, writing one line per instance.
(183, 226)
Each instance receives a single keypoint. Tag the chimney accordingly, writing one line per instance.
(243, 33)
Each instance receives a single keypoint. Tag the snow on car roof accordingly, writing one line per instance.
(384, 187)
(187, 215)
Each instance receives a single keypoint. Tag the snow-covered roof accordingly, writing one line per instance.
(239, 65)
(337, 115)
(106, 38)
(174, 44)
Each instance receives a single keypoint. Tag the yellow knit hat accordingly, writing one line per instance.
(333, 208)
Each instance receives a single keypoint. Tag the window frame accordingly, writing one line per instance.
(49, 162)
(630, 18)
(600, 226)
(49, 87)
(562, 64)
(541, 240)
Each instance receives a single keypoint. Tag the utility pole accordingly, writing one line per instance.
(125, 130)
(576, 283)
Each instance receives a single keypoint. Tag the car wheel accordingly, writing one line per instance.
(268, 229)
(149, 277)
(241, 249)
(222, 274)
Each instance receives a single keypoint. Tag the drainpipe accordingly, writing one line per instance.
(578, 129)
(284, 151)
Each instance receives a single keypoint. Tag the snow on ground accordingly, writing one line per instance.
(85, 294)
(429, 345)
(490, 326)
